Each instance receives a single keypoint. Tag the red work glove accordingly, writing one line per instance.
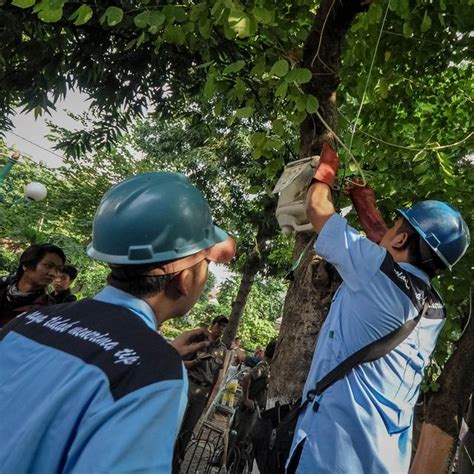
(328, 165)
(363, 199)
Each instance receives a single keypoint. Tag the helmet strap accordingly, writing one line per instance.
(427, 261)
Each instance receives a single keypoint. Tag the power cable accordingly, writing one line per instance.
(36, 145)
(369, 75)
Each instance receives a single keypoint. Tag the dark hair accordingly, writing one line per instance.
(270, 349)
(34, 254)
(69, 270)
(134, 279)
(220, 320)
(420, 253)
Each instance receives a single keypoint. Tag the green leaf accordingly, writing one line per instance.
(205, 27)
(421, 168)
(274, 166)
(156, 19)
(426, 23)
(312, 104)
(420, 156)
(278, 127)
(244, 112)
(234, 67)
(174, 34)
(23, 3)
(299, 75)
(218, 108)
(175, 13)
(280, 68)
(282, 89)
(141, 39)
(407, 29)
(141, 20)
(267, 17)
(209, 87)
(81, 15)
(239, 23)
(300, 103)
(113, 16)
(49, 15)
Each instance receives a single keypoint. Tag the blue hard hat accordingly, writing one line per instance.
(442, 227)
(156, 217)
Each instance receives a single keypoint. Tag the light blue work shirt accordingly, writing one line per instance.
(89, 387)
(364, 421)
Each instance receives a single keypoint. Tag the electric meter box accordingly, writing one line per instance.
(292, 187)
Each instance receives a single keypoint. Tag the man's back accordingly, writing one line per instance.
(364, 421)
(87, 387)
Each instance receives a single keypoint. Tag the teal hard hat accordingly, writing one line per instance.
(442, 227)
(157, 217)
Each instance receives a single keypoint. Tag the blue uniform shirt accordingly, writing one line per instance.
(89, 387)
(364, 422)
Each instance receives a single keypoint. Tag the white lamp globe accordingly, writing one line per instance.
(35, 191)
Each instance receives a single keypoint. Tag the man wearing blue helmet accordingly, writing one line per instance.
(91, 386)
(362, 423)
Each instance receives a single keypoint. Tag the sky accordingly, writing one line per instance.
(27, 129)
(29, 136)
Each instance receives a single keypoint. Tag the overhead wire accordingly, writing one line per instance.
(36, 145)
(336, 137)
(404, 147)
(369, 75)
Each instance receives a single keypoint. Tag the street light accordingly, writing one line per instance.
(34, 191)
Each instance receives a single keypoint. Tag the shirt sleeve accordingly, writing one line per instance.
(356, 258)
(134, 434)
(257, 371)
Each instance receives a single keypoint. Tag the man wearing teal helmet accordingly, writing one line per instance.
(362, 423)
(92, 386)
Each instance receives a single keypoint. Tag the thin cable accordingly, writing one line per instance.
(435, 148)
(470, 313)
(316, 55)
(35, 144)
(369, 75)
(361, 172)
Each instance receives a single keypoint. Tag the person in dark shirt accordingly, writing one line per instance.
(61, 285)
(254, 396)
(248, 360)
(27, 288)
(204, 371)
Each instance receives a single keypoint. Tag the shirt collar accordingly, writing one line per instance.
(415, 271)
(138, 306)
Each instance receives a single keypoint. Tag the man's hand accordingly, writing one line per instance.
(363, 198)
(249, 404)
(191, 341)
(326, 171)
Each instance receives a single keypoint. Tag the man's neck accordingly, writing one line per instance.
(26, 286)
(60, 292)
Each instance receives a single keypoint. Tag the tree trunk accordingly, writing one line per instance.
(267, 229)
(310, 294)
(445, 409)
(251, 269)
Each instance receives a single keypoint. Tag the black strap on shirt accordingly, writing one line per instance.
(373, 351)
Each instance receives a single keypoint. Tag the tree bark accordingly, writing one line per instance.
(251, 269)
(310, 294)
(446, 407)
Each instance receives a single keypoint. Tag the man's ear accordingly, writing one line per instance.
(400, 240)
(181, 284)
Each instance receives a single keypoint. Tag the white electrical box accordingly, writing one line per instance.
(292, 187)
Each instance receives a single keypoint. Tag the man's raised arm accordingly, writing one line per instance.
(319, 204)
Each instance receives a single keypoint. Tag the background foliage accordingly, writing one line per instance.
(230, 73)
